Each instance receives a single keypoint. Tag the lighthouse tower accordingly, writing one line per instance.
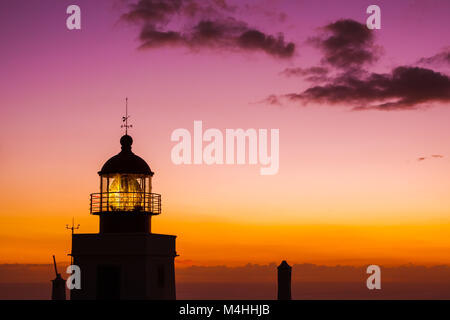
(125, 260)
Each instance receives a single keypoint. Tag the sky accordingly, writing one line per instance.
(364, 150)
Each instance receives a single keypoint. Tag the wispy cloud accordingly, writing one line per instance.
(439, 58)
(312, 74)
(433, 156)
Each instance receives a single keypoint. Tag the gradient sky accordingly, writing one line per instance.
(350, 188)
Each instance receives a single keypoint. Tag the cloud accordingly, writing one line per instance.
(276, 46)
(189, 272)
(303, 72)
(342, 78)
(312, 74)
(201, 24)
(435, 156)
(404, 88)
(153, 12)
(254, 281)
(273, 99)
(440, 58)
(346, 43)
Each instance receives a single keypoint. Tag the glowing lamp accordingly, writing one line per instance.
(125, 193)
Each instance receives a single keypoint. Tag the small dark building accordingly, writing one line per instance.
(125, 260)
(284, 281)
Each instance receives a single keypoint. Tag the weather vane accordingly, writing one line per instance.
(125, 119)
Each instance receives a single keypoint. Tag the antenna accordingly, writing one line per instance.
(54, 264)
(125, 119)
(72, 228)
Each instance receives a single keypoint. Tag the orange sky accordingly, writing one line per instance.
(372, 203)
(205, 241)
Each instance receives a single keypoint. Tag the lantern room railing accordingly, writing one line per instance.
(143, 202)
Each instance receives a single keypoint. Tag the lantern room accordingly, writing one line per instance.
(125, 185)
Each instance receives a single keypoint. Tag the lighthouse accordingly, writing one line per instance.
(125, 260)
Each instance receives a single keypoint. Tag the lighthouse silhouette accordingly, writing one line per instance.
(125, 260)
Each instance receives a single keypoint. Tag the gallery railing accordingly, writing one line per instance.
(142, 202)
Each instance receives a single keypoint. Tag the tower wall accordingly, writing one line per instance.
(128, 222)
(125, 266)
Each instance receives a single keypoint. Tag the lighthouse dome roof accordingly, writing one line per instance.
(126, 161)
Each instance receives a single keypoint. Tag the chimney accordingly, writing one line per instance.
(284, 281)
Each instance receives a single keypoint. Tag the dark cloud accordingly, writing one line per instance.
(421, 159)
(404, 88)
(152, 12)
(197, 24)
(273, 45)
(209, 30)
(205, 33)
(153, 38)
(348, 46)
(346, 43)
(439, 156)
(442, 57)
